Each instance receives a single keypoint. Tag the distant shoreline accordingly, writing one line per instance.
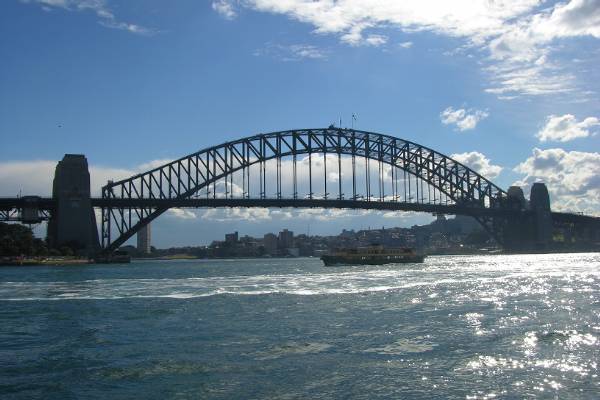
(74, 261)
(437, 253)
(35, 261)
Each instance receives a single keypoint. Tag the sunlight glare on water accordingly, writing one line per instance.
(454, 327)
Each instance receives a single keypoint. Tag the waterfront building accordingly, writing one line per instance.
(231, 237)
(286, 239)
(270, 243)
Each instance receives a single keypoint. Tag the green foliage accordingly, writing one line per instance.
(66, 251)
(16, 240)
(199, 251)
(477, 238)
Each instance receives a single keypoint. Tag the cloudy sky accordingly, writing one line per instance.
(509, 87)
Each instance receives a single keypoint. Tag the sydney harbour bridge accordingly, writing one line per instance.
(316, 168)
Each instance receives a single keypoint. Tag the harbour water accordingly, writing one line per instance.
(455, 327)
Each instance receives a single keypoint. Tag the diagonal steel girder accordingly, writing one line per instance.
(187, 176)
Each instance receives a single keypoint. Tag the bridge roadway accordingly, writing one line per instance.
(48, 204)
(299, 203)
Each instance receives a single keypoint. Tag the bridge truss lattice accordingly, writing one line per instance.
(348, 165)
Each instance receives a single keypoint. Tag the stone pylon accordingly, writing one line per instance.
(532, 231)
(73, 223)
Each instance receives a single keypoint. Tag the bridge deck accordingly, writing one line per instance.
(301, 203)
(48, 204)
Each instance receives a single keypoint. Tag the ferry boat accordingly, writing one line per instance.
(372, 255)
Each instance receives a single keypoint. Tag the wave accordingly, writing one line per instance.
(529, 276)
(294, 284)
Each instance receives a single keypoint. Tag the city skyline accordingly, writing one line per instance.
(460, 235)
(509, 92)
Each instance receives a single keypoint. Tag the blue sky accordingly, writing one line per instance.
(511, 89)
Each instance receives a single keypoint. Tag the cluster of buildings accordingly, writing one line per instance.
(457, 235)
(442, 236)
(283, 244)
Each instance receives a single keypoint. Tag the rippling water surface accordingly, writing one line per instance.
(524, 326)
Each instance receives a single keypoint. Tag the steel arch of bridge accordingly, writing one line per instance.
(187, 176)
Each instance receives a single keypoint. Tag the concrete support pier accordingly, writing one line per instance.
(531, 232)
(539, 203)
(73, 223)
(144, 240)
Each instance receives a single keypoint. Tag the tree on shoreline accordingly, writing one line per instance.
(17, 240)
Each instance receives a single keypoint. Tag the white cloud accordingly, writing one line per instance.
(406, 45)
(400, 215)
(518, 35)
(572, 177)
(26, 177)
(182, 213)
(236, 214)
(463, 119)
(293, 52)
(225, 8)
(221, 187)
(289, 214)
(511, 78)
(376, 40)
(575, 18)
(351, 18)
(152, 164)
(106, 17)
(329, 214)
(282, 214)
(562, 128)
(301, 51)
(35, 177)
(478, 162)
(524, 47)
(100, 175)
